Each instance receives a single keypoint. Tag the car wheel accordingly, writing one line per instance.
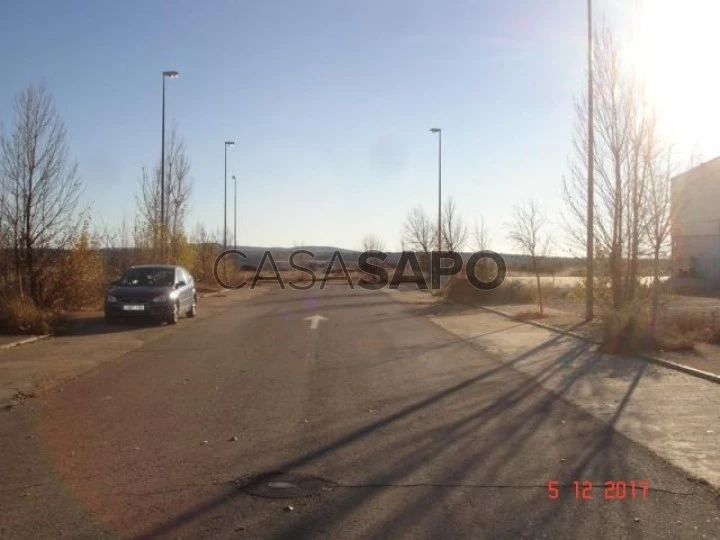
(175, 317)
(193, 308)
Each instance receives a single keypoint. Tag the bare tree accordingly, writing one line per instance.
(482, 235)
(107, 237)
(206, 250)
(418, 231)
(147, 225)
(625, 138)
(658, 220)
(6, 269)
(116, 243)
(370, 242)
(454, 230)
(526, 233)
(123, 234)
(418, 235)
(41, 187)
(178, 188)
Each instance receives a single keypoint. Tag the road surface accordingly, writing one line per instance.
(369, 421)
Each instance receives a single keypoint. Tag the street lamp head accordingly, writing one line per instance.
(234, 177)
(229, 143)
(171, 74)
(435, 130)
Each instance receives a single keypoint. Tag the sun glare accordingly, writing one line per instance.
(674, 47)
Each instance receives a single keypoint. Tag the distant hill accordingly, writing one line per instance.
(323, 255)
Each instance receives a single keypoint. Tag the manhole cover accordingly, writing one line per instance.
(283, 485)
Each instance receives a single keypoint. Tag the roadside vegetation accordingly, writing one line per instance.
(57, 256)
(54, 257)
(633, 165)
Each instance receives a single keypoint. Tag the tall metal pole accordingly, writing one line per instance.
(235, 216)
(590, 180)
(173, 75)
(162, 177)
(225, 204)
(439, 227)
(439, 190)
(227, 143)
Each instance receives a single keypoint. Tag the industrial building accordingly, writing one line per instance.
(695, 229)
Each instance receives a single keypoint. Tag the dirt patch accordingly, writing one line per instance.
(529, 315)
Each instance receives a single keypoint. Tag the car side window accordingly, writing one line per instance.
(188, 276)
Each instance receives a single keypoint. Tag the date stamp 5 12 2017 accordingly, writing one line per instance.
(616, 490)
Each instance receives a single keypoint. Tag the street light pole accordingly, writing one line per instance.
(165, 75)
(227, 143)
(439, 228)
(235, 215)
(590, 180)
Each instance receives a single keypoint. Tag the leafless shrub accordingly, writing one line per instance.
(370, 242)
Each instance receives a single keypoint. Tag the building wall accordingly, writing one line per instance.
(695, 228)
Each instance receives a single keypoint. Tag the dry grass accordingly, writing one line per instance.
(202, 287)
(23, 317)
(459, 290)
(628, 332)
(698, 325)
(624, 332)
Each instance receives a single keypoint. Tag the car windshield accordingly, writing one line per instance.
(148, 277)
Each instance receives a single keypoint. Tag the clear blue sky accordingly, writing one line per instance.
(329, 102)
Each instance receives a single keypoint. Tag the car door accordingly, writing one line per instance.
(181, 291)
(187, 290)
(191, 285)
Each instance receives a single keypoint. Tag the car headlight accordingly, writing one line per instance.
(111, 298)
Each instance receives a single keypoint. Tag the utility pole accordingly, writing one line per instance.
(591, 181)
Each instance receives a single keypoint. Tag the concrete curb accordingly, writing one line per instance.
(711, 377)
(23, 341)
(33, 339)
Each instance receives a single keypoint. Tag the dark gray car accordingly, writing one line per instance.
(154, 291)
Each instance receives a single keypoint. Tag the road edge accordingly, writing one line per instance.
(23, 341)
(706, 375)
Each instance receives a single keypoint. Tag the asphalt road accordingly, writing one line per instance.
(385, 425)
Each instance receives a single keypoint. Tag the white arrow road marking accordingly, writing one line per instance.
(315, 321)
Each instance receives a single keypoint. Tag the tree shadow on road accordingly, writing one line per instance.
(480, 431)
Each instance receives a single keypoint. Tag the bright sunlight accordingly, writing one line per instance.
(674, 47)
